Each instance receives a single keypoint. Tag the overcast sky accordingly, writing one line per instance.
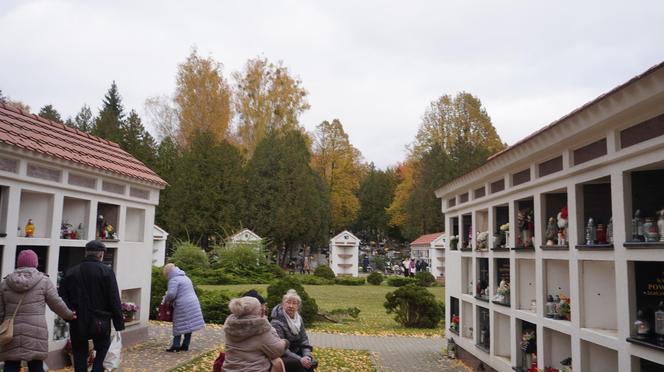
(375, 65)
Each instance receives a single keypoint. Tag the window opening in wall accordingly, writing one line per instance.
(521, 177)
(595, 227)
(643, 131)
(596, 358)
(497, 186)
(550, 166)
(502, 270)
(466, 232)
(75, 217)
(526, 346)
(647, 313)
(42, 255)
(647, 209)
(454, 315)
(107, 221)
(554, 221)
(482, 230)
(526, 296)
(463, 198)
(598, 296)
(35, 215)
(467, 276)
(483, 336)
(558, 303)
(645, 365)
(478, 193)
(501, 227)
(454, 238)
(525, 225)
(590, 152)
(4, 205)
(482, 279)
(557, 350)
(451, 202)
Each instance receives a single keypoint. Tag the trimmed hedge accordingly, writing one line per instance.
(324, 272)
(375, 278)
(349, 281)
(278, 289)
(425, 279)
(414, 306)
(313, 280)
(399, 281)
(214, 305)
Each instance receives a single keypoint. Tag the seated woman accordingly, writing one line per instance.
(287, 321)
(252, 345)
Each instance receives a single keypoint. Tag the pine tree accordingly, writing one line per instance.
(50, 113)
(84, 120)
(108, 124)
(166, 163)
(137, 141)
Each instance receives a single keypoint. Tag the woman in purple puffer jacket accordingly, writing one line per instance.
(187, 315)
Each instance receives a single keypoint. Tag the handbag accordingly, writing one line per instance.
(219, 362)
(165, 312)
(7, 326)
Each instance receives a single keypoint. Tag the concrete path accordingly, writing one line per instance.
(391, 354)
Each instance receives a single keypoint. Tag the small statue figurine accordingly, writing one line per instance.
(660, 224)
(637, 227)
(551, 233)
(29, 229)
(590, 232)
(562, 226)
(526, 228)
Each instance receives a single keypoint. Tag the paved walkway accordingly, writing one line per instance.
(391, 354)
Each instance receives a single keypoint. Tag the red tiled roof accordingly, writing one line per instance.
(31, 132)
(426, 239)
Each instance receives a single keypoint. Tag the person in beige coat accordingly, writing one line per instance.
(33, 290)
(252, 345)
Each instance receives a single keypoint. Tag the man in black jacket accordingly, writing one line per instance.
(90, 288)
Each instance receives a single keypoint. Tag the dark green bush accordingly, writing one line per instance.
(313, 280)
(157, 290)
(349, 280)
(414, 306)
(277, 272)
(375, 278)
(214, 305)
(278, 289)
(341, 315)
(425, 279)
(324, 272)
(399, 281)
(379, 263)
(188, 256)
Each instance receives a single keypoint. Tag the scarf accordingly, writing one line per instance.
(294, 323)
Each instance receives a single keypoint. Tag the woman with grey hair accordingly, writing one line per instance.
(288, 323)
(252, 345)
(187, 314)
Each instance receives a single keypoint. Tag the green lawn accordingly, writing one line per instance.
(373, 319)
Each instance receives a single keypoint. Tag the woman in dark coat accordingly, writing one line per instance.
(289, 325)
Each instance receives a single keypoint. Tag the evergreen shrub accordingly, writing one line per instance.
(313, 280)
(399, 281)
(425, 279)
(324, 272)
(414, 306)
(349, 280)
(188, 256)
(278, 289)
(375, 278)
(158, 288)
(214, 305)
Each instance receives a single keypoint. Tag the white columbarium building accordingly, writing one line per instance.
(580, 205)
(58, 188)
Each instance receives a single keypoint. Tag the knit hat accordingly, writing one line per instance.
(254, 294)
(27, 258)
(95, 246)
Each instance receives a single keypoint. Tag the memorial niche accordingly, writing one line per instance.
(502, 294)
(527, 347)
(525, 224)
(555, 219)
(483, 336)
(466, 231)
(482, 280)
(501, 227)
(454, 315)
(647, 225)
(648, 326)
(454, 238)
(596, 213)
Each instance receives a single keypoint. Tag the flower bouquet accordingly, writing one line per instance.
(455, 323)
(129, 309)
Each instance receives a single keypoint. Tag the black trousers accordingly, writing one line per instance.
(293, 364)
(79, 347)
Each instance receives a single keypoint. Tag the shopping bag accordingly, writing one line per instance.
(114, 354)
(219, 362)
(165, 312)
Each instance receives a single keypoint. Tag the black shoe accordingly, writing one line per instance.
(184, 348)
(173, 349)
